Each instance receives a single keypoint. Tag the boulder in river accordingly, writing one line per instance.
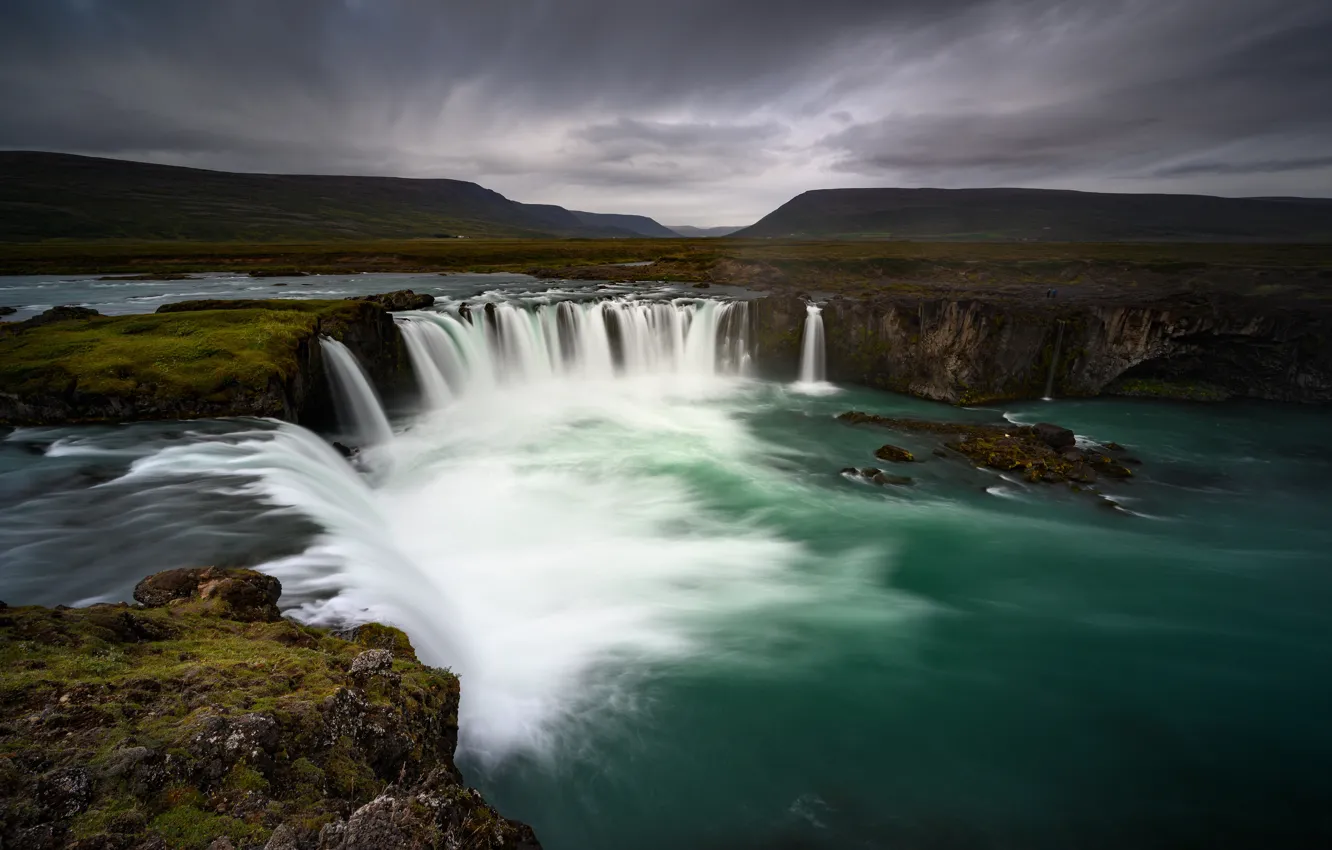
(8, 311)
(1055, 436)
(894, 454)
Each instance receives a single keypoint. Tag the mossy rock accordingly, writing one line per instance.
(192, 720)
(894, 454)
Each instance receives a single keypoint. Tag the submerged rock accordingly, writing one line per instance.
(894, 454)
(210, 727)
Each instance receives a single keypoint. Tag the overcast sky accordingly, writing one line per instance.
(703, 112)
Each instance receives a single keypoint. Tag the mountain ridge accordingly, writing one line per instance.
(1054, 215)
(47, 195)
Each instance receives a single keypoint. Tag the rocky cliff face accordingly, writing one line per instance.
(972, 351)
(201, 718)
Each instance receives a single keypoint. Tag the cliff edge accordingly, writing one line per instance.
(201, 718)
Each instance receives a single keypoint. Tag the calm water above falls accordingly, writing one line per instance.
(678, 626)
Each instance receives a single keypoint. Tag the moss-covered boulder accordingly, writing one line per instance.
(894, 454)
(1039, 453)
(200, 718)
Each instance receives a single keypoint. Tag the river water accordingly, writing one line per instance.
(678, 626)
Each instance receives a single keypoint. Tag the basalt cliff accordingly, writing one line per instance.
(973, 351)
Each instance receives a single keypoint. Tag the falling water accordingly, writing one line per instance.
(359, 410)
(1054, 363)
(811, 357)
(428, 355)
(480, 350)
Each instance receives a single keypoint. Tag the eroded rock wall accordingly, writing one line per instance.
(973, 351)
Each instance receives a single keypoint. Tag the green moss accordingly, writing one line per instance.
(170, 358)
(245, 778)
(377, 636)
(1181, 390)
(187, 828)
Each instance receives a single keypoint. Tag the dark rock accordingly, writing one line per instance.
(1114, 447)
(703, 285)
(850, 470)
(283, 838)
(403, 299)
(61, 314)
(1055, 436)
(8, 311)
(218, 743)
(346, 451)
(243, 595)
(1073, 456)
(64, 793)
(939, 453)
(372, 662)
(1133, 460)
(894, 454)
(281, 284)
(277, 273)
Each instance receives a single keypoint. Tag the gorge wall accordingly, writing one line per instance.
(974, 351)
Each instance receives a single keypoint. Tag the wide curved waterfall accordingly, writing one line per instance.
(499, 344)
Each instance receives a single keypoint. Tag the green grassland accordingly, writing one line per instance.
(198, 355)
(854, 268)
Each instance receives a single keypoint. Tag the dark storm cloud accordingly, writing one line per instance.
(706, 109)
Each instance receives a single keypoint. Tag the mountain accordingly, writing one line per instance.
(48, 195)
(638, 225)
(1044, 215)
(703, 232)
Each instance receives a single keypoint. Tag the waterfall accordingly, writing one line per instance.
(506, 343)
(359, 410)
(812, 353)
(1054, 362)
(423, 340)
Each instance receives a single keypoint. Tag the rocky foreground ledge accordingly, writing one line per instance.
(201, 718)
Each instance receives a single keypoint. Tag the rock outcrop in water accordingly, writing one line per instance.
(979, 351)
(203, 719)
(1040, 453)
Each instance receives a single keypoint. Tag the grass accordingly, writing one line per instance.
(183, 355)
(859, 268)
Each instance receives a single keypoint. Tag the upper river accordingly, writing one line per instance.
(678, 626)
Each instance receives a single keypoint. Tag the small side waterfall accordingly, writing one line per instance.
(1054, 362)
(812, 352)
(359, 410)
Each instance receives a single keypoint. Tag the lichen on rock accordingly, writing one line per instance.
(203, 719)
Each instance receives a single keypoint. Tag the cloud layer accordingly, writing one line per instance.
(693, 111)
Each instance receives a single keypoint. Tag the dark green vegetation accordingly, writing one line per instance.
(854, 269)
(1043, 215)
(1042, 452)
(190, 360)
(205, 714)
(58, 196)
(164, 364)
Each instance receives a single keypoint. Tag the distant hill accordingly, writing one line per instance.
(48, 196)
(1044, 215)
(638, 225)
(703, 232)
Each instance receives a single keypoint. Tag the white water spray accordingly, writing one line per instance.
(359, 410)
